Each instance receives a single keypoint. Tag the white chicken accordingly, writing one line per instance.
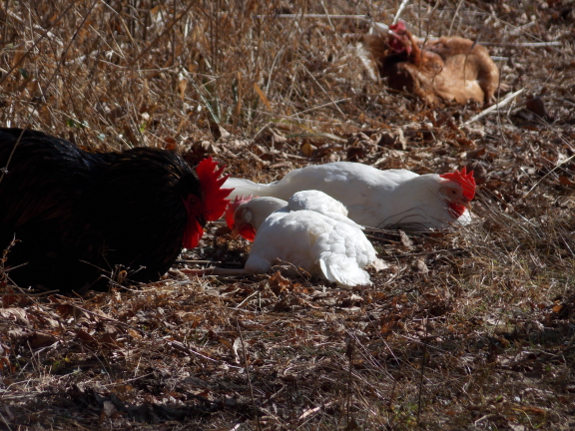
(311, 231)
(394, 198)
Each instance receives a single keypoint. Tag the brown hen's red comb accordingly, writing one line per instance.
(398, 41)
(214, 196)
(233, 206)
(398, 27)
(464, 179)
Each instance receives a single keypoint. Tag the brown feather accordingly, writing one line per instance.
(449, 69)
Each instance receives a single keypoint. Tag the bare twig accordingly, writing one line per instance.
(400, 11)
(423, 364)
(314, 16)
(493, 108)
(523, 44)
(168, 28)
(247, 370)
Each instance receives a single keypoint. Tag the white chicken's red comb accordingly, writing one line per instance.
(233, 206)
(464, 179)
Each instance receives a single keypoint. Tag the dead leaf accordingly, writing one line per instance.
(107, 409)
(352, 301)
(355, 154)
(420, 266)
(84, 336)
(393, 139)
(405, 240)
(182, 85)
(379, 265)
(17, 315)
(170, 143)
(531, 409)
(307, 149)
(8, 298)
(41, 339)
(476, 153)
(566, 181)
(236, 349)
(537, 106)
(278, 283)
(308, 413)
(67, 310)
(262, 96)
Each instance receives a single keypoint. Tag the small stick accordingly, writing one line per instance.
(215, 271)
(247, 370)
(546, 175)
(523, 44)
(181, 347)
(32, 295)
(250, 296)
(495, 107)
(314, 15)
(399, 11)
(454, 17)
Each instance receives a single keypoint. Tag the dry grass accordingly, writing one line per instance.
(476, 335)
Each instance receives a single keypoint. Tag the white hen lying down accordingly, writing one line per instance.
(378, 198)
(311, 231)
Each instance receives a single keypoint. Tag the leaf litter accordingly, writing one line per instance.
(470, 329)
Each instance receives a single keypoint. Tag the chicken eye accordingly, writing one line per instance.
(192, 204)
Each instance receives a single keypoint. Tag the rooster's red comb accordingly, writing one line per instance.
(464, 179)
(214, 196)
(233, 206)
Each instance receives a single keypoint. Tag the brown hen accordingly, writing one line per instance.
(448, 69)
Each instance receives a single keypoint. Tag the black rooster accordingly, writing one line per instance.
(76, 215)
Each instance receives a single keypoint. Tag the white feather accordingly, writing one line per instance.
(373, 197)
(312, 232)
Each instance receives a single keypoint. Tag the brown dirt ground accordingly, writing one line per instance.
(472, 329)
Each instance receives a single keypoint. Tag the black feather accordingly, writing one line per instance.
(78, 215)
